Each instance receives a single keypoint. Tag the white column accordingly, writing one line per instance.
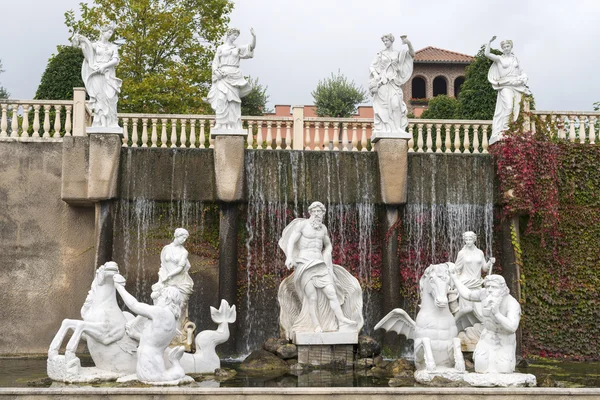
(46, 120)
(438, 138)
(79, 117)
(25, 124)
(250, 137)
(278, 135)
(411, 141)
(476, 139)
(193, 133)
(326, 136)
(36, 120)
(125, 132)
(484, 139)
(419, 138)
(163, 133)
(173, 133)
(134, 133)
(363, 137)
(307, 135)
(183, 134)
(154, 137)
(457, 138)
(466, 140)
(429, 142)
(592, 131)
(317, 137)
(447, 139)
(144, 132)
(202, 137)
(298, 117)
(259, 135)
(57, 121)
(582, 134)
(14, 125)
(345, 142)
(269, 136)
(4, 121)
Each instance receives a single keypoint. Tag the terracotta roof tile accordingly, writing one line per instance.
(434, 55)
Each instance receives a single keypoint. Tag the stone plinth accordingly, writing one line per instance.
(229, 167)
(228, 132)
(325, 355)
(314, 338)
(377, 136)
(393, 169)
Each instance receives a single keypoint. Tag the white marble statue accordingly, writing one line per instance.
(436, 345)
(98, 73)
(228, 83)
(103, 328)
(388, 72)
(205, 360)
(157, 333)
(510, 81)
(318, 296)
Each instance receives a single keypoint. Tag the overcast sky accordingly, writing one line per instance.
(300, 42)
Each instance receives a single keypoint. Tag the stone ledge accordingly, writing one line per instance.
(192, 392)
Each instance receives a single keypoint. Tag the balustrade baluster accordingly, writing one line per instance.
(125, 132)
(25, 123)
(269, 136)
(211, 139)
(326, 140)
(14, 125)
(163, 132)
(183, 134)
(354, 137)
(466, 139)
(363, 137)
(438, 138)
(259, 135)
(307, 135)
(154, 137)
(202, 136)
(345, 142)
(484, 139)
(4, 121)
(572, 133)
(173, 133)
(582, 128)
(46, 121)
(429, 142)
(68, 120)
(447, 139)
(36, 121)
(57, 121)
(592, 130)
(193, 133)
(336, 136)
(317, 137)
(134, 133)
(278, 135)
(456, 138)
(411, 141)
(475, 139)
(288, 135)
(250, 137)
(419, 138)
(144, 132)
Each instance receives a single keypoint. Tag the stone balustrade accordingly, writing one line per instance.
(574, 126)
(52, 119)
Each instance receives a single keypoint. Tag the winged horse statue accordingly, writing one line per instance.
(434, 332)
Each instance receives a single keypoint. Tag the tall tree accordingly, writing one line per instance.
(3, 92)
(165, 61)
(337, 97)
(255, 102)
(62, 74)
(477, 97)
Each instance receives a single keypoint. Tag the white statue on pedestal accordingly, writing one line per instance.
(318, 296)
(159, 330)
(510, 81)
(98, 73)
(388, 72)
(436, 345)
(103, 328)
(228, 83)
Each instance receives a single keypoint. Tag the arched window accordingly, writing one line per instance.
(418, 88)
(458, 82)
(440, 86)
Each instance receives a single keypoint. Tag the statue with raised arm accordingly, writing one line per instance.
(388, 72)
(156, 336)
(228, 83)
(501, 313)
(318, 296)
(98, 74)
(510, 81)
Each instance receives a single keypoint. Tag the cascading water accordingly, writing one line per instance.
(456, 195)
(281, 186)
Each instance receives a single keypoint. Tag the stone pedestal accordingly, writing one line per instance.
(228, 132)
(229, 167)
(338, 355)
(392, 156)
(376, 136)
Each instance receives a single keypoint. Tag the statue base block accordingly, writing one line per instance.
(340, 355)
(316, 338)
(104, 130)
(478, 380)
(228, 132)
(70, 371)
(390, 135)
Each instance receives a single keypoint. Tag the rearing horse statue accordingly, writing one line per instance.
(103, 327)
(434, 332)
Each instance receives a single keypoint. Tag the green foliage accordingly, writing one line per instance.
(477, 97)
(3, 93)
(337, 97)
(165, 61)
(62, 74)
(255, 103)
(441, 107)
(597, 106)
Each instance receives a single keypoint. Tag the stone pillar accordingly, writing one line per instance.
(229, 175)
(298, 135)
(392, 156)
(79, 119)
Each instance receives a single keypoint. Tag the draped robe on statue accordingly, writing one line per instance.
(294, 315)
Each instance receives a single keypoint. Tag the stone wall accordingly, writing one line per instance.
(46, 248)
